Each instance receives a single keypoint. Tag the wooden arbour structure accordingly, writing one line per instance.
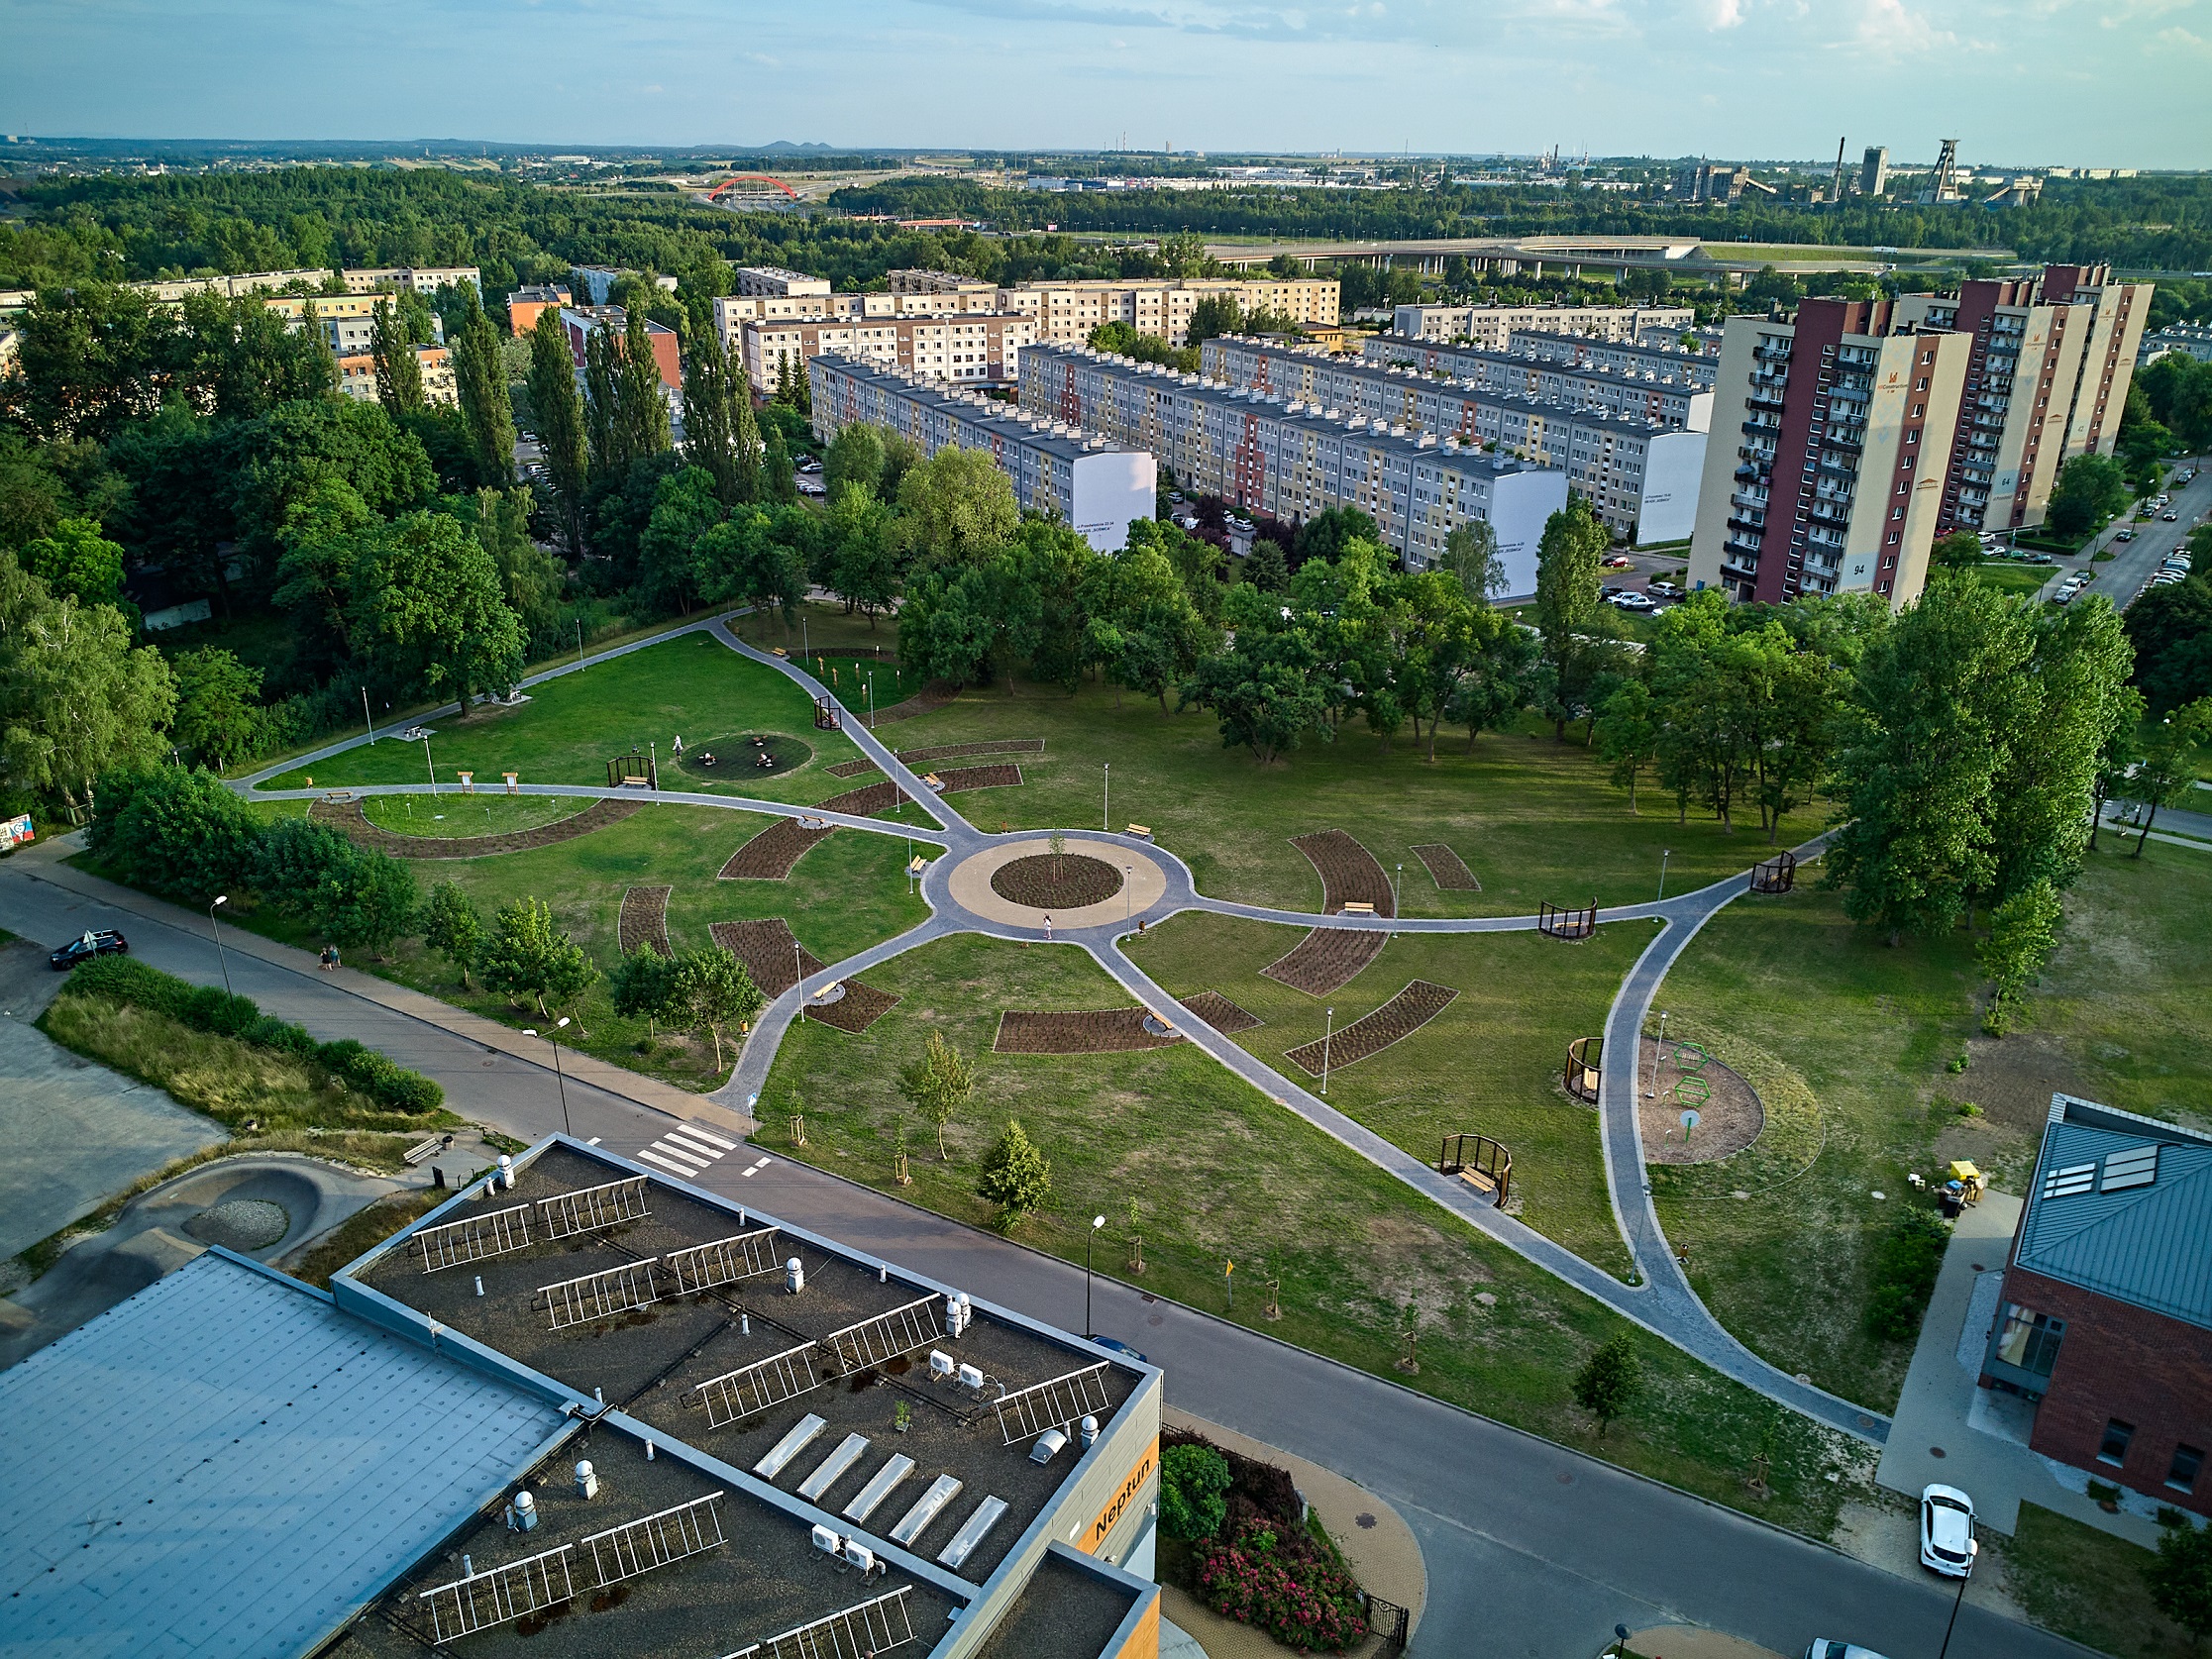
(1479, 1161)
(825, 715)
(1555, 923)
(1777, 875)
(1580, 1078)
(633, 771)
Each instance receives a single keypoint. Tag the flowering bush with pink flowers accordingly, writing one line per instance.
(1282, 1584)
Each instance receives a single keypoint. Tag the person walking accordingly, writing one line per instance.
(329, 958)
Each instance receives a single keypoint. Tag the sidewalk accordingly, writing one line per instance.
(1948, 1429)
(48, 865)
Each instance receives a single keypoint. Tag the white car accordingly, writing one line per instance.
(1946, 1531)
(1631, 603)
(1822, 1648)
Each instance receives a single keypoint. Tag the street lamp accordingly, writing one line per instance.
(1128, 894)
(433, 770)
(1106, 816)
(562, 1083)
(1655, 1053)
(1665, 853)
(1327, 1031)
(1096, 1221)
(1973, 1549)
(220, 898)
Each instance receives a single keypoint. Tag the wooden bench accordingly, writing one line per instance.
(424, 1151)
(1143, 832)
(1356, 907)
(1480, 1183)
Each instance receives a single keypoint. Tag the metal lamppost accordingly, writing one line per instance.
(1327, 1031)
(368, 721)
(1105, 815)
(870, 699)
(1655, 1054)
(1973, 1548)
(427, 767)
(561, 1082)
(1665, 853)
(1096, 1221)
(220, 898)
(1128, 894)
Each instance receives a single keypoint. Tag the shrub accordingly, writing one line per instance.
(173, 831)
(1194, 1484)
(1906, 1264)
(1281, 1583)
(1609, 1380)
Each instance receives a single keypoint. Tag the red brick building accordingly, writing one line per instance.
(2106, 1321)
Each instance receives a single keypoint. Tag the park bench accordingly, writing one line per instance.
(1142, 832)
(1356, 907)
(423, 1151)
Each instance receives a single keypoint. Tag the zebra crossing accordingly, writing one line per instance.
(688, 1150)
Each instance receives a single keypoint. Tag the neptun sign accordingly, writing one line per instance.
(1132, 1486)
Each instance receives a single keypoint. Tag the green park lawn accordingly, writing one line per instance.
(2012, 578)
(1534, 819)
(694, 688)
(1817, 1010)
(1490, 1063)
(1220, 1174)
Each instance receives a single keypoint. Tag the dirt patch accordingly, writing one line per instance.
(1100, 1031)
(1069, 882)
(859, 1008)
(770, 855)
(1349, 873)
(957, 779)
(1326, 958)
(768, 950)
(1447, 869)
(1729, 1119)
(928, 700)
(645, 919)
(850, 769)
(2011, 1079)
(1221, 1013)
(870, 801)
(1398, 1018)
(989, 745)
(348, 817)
(746, 754)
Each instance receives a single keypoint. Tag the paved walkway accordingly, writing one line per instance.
(1660, 1300)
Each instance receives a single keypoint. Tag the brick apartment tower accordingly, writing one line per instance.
(1831, 438)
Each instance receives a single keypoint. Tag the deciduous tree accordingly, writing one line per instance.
(717, 990)
(939, 1085)
(480, 375)
(452, 926)
(1015, 1177)
(526, 954)
(1608, 1381)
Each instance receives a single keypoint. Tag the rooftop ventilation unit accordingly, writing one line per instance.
(1049, 1442)
(971, 1378)
(826, 1540)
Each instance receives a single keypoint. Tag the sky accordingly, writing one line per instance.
(2029, 83)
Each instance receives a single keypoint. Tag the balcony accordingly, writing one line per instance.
(1736, 543)
(1849, 384)
(1776, 352)
(1760, 427)
(1846, 434)
(1753, 498)
(1752, 528)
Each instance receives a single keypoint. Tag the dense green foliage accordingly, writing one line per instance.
(1906, 1264)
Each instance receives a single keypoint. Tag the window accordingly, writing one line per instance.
(2182, 1474)
(2029, 1339)
(2113, 1448)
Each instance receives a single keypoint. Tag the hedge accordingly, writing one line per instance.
(122, 978)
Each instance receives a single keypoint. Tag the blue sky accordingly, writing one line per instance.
(2094, 82)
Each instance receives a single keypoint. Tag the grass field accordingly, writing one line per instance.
(2088, 1585)
(693, 687)
(2007, 577)
(2116, 1018)
(1220, 1174)
(846, 895)
(1535, 820)
(1490, 1063)
(456, 816)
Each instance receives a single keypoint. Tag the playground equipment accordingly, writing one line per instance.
(633, 771)
(1777, 875)
(825, 715)
(1584, 1054)
(1691, 1089)
(1555, 923)
(1482, 1163)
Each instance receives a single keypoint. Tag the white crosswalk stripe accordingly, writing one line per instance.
(688, 1150)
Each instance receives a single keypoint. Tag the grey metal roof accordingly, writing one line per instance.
(225, 1464)
(2122, 1204)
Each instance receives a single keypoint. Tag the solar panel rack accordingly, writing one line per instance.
(482, 1600)
(872, 1628)
(722, 1261)
(1056, 1403)
(590, 1208)
(453, 1244)
(868, 1342)
(599, 1295)
(756, 1387)
(638, 1546)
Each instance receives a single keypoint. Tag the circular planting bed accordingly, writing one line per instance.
(742, 756)
(241, 1224)
(1730, 1116)
(1069, 882)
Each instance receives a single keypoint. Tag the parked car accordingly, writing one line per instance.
(1946, 1531)
(1619, 561)
(2125, 536)
(85, 945)
(2170, 516)
(1663, 590)
(1120, 1348)
(1633, 603)
(1822, 1648)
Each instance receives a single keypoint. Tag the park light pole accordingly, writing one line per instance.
(1128, 894)
(1105, 815)
(1096, 1221)
(870, 699)
(427, 767)
(1665, 853)
(1327, 1031)
(1658, 1050)
(553, 1036)
(368, 720)
(220, 898)
(1973, 1549)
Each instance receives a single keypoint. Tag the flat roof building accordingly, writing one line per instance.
(600, 1403)
(1088, 481)
(1492, 326)
(1648, 355)
(1068, 312)
(971, 347)
(357, 375)
(423, 280)
(773, 281)
(1669, 400)
(525, 305)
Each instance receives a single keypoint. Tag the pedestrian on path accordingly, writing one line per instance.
(329, 958)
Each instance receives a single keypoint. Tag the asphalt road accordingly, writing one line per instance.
(2134, 562)
(1531, 1550)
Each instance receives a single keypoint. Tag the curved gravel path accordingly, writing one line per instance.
(1661, 1301)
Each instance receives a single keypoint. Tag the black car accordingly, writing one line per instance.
(85, 945)
(1120, 1348)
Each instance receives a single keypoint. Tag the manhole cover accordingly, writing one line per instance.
(1156, 1319)
(1978, 1268)
(241, 1224)
(1564, 1479)
(1936, 1451)
(1367, 1524)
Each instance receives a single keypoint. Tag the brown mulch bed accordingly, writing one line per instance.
(1398, 1018)
(1349, 873)
(1326, 958)
(349, 817)
(870, 801)
(645, 919)
(850, 769)
(1221, 1013)
(1447, 869)
(989, 746)
(1728, 1119)
(1100, 1031)
(766, 949)
(1067, 883)
(928, 700)
(770, 855)
(1000, 777)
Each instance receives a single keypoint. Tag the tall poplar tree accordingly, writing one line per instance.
(710, 421)
(610, 455)
(640, 404)
(481, 378)
(559, 409)
(399, 370)
(1568, 583)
